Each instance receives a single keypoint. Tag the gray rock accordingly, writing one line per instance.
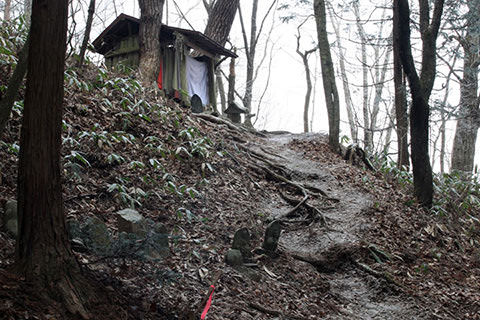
(97, 233)
(241, 241)
(234, 257)
(10, 218)
(12, 227)
(74, 228)
(272, 234)
(130, 221)
(197, 104)
(10, 210)
(159, 245)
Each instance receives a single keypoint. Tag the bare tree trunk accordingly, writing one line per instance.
(7, 9)
(220, 20)
(250, 52)
(367, 133)
(6, 104)
(150, 25)
(231, 82)
(27, 9)
(346, 86)
(401, 108)
(221, 15)
(43, 253)
(420, 87)
(221, 89)
(328, 74)
(304, 55)
(88, 28)
(463, 153)
(379, 85)
(388, 137)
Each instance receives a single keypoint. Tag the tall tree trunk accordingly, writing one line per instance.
(220, 20)
(367, 133)
(304, 55)
(463, 153)
(250, 54)
(308, 93)
(149, 35)
(6, 104)
(346, 86)
(27, 9)
(43, 253)
(380, 75)
(88, 28)
(420, 87)
(401, 108)
(328, 74)
(7, 9)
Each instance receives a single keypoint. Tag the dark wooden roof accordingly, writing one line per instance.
(124, 24)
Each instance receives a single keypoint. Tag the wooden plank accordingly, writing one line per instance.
(202, 51)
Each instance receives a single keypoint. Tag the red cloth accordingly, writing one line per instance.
(209, 303)
(160, 75)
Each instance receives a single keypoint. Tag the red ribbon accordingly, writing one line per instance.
(209, 303)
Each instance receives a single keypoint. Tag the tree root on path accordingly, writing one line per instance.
(272, 312)
(339, 255)
(312, 211)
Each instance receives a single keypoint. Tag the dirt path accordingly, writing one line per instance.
(360, 295)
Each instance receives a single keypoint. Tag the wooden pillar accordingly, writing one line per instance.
(211, 84)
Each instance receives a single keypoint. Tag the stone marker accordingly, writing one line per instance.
(234, 257)
(272, 234)
(10, 218)
(97, 233)
(197, 105)
(241, 241)
(130, 221)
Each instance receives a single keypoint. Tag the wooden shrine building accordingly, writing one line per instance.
(187, 57)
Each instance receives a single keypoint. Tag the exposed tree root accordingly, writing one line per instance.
(337, 256)
(272, 312)
(332, 259)
(312, 211)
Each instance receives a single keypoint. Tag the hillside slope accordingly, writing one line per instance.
(353, 243)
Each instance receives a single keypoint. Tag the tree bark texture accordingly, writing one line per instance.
(328, 74)
(149, 36)
(401, 107)
(88, 28)
(367, 133)
(221, 19)
(43, 253)
(463, 153)
(7, 9)
(6, 104)
(346, 86)
(304, 55)
(420, 88)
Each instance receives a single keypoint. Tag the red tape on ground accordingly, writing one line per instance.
(209, 303)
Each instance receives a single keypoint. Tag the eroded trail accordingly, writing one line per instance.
(360, 295)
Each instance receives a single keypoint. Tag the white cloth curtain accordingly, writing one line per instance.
(197, 79)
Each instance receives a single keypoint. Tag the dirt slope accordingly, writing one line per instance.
(353, 244)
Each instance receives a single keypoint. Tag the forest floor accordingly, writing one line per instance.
(354, 245)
